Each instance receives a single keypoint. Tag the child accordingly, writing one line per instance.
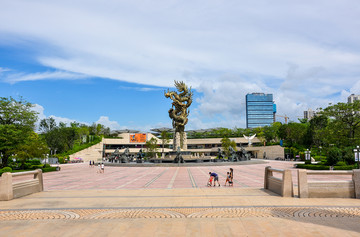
(228, 177)
(216, 178)
(210, 181)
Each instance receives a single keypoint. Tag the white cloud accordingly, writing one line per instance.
(144, 89)
(306, 53)
(41, 115)
(4, 70)
(113, 125)
(153, 43)
(40, 110)
(56, 75)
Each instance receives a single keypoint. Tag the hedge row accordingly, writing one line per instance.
(47, 169)
(324, 167)
(4, 170)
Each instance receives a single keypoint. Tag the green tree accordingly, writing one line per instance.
(83, 132)
(55, 139)
(34, 147)
(99, 129)
(17, 123)
(151, 147)
(334, 156)
(344, 122)
(226, 143)
(293, 133)
(47, 124)
(165, 139)
(318, 130)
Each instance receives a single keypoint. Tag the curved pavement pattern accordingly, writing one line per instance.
(172, 201)
(234, 212)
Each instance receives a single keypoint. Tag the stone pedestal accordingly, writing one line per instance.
(180, 140)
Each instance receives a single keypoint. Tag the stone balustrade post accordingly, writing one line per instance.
(266, 177)
(287, 188)
(303, 184)
(356, 180)
(39, 176)
(6, 188)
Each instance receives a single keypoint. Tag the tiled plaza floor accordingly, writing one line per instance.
(172, 201)
(81, 176)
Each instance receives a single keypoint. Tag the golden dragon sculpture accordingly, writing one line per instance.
(181, 102)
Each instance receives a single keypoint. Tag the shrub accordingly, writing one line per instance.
(48, 169)
(62, 160)
(34, 167)
(324, 167)
(319, 158)
(312, 167)
(341, 163)
(346, 167)
(333, 157)
(35, 162)
(348, 157)
(4, 170)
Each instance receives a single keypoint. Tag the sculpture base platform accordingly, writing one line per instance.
(185, 154)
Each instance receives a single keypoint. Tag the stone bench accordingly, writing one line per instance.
(328, 189)
(282, 186)
(10, 190)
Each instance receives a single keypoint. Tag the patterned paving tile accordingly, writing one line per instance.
(135, 213)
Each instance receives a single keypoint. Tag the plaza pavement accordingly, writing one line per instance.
(81, 176)
(172, 201)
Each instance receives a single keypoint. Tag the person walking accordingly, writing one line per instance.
(216, 178)
(231, 181)
(227, 178)
(99, 168)
(102, 168)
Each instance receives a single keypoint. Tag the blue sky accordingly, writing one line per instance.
(92, 61)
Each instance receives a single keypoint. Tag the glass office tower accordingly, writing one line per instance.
(260, 110)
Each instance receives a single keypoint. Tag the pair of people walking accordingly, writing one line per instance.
(214, 177)
(230, 177)
(101, 168)
(92, 164)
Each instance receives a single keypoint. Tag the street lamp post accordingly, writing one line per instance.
(307, 155)
(357, 155)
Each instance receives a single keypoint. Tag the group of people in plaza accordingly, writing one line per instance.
(214, 177)
(101, 166)
(92, 164)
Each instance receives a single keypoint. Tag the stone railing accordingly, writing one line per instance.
(282, 186)
(10, 190)
(329, 189)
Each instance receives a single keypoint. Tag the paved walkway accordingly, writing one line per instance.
(80, 176)
(171, 201)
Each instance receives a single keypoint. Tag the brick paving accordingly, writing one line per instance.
(173, 201)
(81, 176)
